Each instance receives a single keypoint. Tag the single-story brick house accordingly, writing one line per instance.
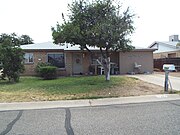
(71, 60)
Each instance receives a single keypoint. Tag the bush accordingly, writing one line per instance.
(39, 65)
(46, 71)
(12, 62)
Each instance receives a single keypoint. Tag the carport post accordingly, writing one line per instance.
(166, 81)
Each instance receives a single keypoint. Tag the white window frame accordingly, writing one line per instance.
(58, 53)
(28, 62)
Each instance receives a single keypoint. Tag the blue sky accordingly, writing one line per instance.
(155, 19)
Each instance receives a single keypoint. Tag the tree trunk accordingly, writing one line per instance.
(107, 69)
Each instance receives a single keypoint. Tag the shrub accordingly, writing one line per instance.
(46, 71)
(12, 62)
(39, 65)
(12, 55)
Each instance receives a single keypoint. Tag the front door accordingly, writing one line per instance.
(77, 63)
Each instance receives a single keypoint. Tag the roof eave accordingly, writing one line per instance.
(149, 49)
(42, 50)
(154, 43)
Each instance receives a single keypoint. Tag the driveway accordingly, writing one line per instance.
(158, 79)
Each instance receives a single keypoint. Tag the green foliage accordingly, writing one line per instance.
(15, 40)
(11, 56)
(46, 71)
(99, 23)
(12, 65)
(25, 39)
(39, 65)
(178, 44)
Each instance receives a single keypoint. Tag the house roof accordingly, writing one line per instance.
(137, 48)
(41, 46)
(165, 46)
(169, 44)
(52, 46)
(67, 47)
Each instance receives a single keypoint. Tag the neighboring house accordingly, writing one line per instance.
(169, 49)
(71, 60)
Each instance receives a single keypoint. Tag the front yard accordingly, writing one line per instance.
(36, 89)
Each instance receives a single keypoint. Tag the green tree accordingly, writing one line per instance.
(100, 23)
(178, 44)
(11, 56)
(15, 39)
(25, 39)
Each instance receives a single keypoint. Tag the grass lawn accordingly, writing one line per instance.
(33, 88)
(36, 89)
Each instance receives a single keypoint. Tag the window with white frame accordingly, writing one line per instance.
(56, 59)
(29, 58)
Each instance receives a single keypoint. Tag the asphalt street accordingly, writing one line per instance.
(128, 119)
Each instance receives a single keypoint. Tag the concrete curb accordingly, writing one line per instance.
(87, 103)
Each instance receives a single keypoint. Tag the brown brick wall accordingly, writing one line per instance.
(39, 56)
(127, 60)
(30, 67)
(115, 58)
(124, 60)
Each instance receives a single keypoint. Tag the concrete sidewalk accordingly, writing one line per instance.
(158, 79)
(87, 103)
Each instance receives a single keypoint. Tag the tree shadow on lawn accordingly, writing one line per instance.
(5, 82)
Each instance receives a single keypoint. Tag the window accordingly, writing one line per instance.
(29, 58)
(57, 59)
